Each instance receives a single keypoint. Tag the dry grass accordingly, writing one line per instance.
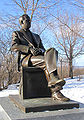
(79, 71)
(65, 71)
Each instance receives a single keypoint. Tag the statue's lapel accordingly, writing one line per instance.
(26, 37)
(36, 39)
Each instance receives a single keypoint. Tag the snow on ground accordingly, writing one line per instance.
(12, 89)
(74, 89)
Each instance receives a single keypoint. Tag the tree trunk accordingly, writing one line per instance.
(70, 69)
(9, 78)
(0, 84)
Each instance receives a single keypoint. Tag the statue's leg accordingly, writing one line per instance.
(38, 61)
(51, 59)
(48, 63)
(56, 84)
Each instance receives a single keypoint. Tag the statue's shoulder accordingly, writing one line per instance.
(35, 34)
(16, 33)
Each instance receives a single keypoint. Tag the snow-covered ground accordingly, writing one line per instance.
(74, 89)
(12, 89)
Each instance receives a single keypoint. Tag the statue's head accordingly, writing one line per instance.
(25, 21)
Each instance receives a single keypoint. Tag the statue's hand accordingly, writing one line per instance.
(35, 51)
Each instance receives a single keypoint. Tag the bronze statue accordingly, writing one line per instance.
(33, 53)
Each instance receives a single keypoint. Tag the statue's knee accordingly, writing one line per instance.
(24, 63)
(54, 50)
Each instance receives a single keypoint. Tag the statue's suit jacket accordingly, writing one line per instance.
(21, 42)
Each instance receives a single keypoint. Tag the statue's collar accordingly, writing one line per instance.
(25, 30)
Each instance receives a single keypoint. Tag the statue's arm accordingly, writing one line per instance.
(16, 44)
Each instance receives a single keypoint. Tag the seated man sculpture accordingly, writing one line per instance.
(33, 53)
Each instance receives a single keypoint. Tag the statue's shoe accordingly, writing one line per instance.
(59, 96)
(54, 80)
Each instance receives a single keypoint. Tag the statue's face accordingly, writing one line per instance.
(25, 21)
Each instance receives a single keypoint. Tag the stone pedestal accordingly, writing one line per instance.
(42, 104)
(35, 96)
(33, 84)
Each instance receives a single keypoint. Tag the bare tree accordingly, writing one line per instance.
(78, 3)
(8, 63)
(69, 38)
(36, 7)
(79, 7)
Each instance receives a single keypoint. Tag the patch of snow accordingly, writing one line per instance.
(13, 87)
(6, 93)
(74, 89)
(11, 90)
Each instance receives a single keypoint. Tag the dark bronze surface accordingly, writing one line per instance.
(35, 84)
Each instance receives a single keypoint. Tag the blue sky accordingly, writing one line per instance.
(7, 6)
(79, 61)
